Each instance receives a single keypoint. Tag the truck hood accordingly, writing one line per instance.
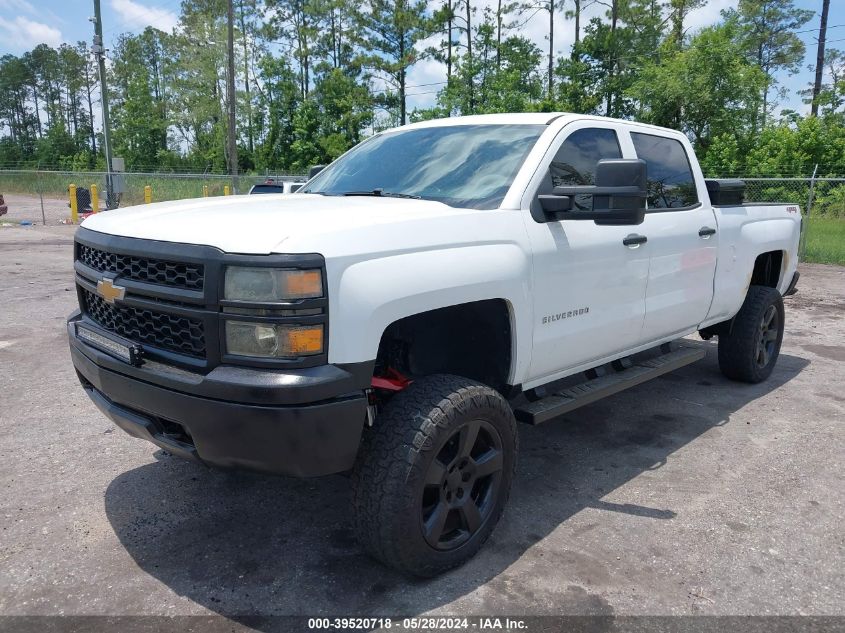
(284, 223)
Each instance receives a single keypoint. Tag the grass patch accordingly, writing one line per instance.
(825, 241)
(164, 187)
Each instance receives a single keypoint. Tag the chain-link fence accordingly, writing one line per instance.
(38, 197)
(823, 197)
(49, 194)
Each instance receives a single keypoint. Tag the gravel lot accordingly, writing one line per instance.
(29, 208)
(687, 495)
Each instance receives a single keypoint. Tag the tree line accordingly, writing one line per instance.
(315, 77)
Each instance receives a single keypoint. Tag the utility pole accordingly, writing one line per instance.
(551, 45)
(100, 53)
(817, 85)
(230, 90)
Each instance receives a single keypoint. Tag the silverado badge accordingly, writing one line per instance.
(108, 291)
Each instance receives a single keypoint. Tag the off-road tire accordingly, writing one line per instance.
(740, 354)
(396, 463)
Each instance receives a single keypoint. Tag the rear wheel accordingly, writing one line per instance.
(434, 474)
(749, 347)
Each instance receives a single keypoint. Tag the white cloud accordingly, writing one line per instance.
(17, 5)
(20, 34)
(25, 7)
(708, 15)
(425, 80)
(136, 16)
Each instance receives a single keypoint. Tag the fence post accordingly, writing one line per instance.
(802, 239)
(205, 191)
(41, 197)
(95, 198)
(812, 189)
(226, 190)
(148, 194)
(74, 211)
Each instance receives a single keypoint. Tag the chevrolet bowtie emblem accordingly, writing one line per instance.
(108, 291)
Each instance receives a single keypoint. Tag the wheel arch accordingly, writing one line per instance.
(768, 269)
(474, 339)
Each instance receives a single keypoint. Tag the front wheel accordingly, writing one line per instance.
(749, 349)
(434, 474)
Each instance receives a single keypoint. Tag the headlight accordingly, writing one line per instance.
(268, 340)
(271, 285)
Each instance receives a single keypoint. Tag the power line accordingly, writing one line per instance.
(835, 26)
(417, 94)
(389, 89)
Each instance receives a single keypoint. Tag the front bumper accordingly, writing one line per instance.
(304, 422)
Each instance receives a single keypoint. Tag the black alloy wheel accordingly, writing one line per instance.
(768, 339)
(461, 485)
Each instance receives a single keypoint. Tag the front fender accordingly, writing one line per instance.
(367, 296)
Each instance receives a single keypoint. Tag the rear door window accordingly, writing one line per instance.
(671, 183)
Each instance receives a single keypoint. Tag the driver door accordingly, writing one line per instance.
(589, 288)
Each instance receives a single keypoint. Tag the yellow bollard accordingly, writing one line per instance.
(148, 194)
(74, 211)
(95, 199)
(225, 190)
(205, 191)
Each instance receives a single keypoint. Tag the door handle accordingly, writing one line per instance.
(706, 232)
(633, 240)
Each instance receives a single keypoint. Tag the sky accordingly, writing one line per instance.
(26, 23)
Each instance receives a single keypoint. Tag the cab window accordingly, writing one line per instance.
(670, 180)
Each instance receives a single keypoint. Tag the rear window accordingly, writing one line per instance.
(267, 189)
(670, 180)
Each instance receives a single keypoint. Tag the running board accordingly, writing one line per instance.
(590, 391)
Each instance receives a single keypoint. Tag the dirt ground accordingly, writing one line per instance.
(28, 209)
(686, 495)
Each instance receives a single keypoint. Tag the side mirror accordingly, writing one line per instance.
(619, 195)
(316, 169)
(554, 204)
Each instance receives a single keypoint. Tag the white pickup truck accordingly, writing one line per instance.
(434, 285)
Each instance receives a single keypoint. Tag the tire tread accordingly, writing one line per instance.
(737, 344)
(393, 453)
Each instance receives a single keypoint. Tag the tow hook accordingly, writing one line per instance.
(372, 407)
(392, 382)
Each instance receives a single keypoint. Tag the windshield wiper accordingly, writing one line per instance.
(380, 193)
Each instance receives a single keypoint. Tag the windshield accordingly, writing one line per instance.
(468, 166)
